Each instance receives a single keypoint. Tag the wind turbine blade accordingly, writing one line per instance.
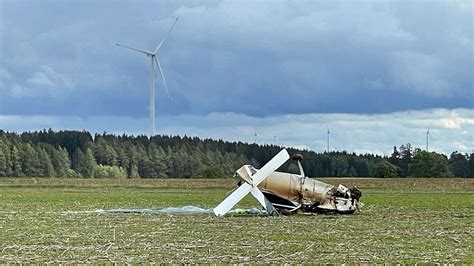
(163, 77)
(166, 36)
(135, 49)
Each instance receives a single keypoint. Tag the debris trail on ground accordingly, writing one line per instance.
(178, 210)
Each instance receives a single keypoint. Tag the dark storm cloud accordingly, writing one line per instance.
(258, 58)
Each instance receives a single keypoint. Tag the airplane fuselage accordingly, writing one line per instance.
(292, 192)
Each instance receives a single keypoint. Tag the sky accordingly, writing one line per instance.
(375, 73)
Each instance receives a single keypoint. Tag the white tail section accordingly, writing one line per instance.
(257, 178)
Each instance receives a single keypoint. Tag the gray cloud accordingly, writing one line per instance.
(258, 58)
(378, 73)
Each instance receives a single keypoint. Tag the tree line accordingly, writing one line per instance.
(48, 153)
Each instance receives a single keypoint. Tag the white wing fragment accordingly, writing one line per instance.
(236, 196)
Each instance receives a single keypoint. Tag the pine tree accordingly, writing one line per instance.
(157, 159)
(406, 157)
(86, 163)
(340, 166)
(104, 153)
(145, 168)
(30, 162)
(45, 163)
(17, 170)
(5, 161)
(60, 161)
(133, 173)
(122, 158)
(79, 158)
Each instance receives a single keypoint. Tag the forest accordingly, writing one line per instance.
(76, 154)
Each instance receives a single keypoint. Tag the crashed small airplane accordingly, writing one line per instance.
(284, 193)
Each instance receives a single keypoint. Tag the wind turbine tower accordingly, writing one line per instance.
(153, 60)
(255, 137)
(427, 137)
(328, 138)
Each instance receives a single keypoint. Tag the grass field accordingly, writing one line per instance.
(404, 220)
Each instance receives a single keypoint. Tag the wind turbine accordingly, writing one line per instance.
(427, 136)
(153, 60)
(328, 138)
(256, 136)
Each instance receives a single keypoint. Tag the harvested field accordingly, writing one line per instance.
(404, 220)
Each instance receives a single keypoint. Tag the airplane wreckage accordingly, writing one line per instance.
(285, 193)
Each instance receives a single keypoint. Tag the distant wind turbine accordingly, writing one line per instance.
(153, 60)
(328, 138)
(256, 135)
(427, 137)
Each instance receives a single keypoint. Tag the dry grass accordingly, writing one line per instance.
(372, 183)
(104, 182)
